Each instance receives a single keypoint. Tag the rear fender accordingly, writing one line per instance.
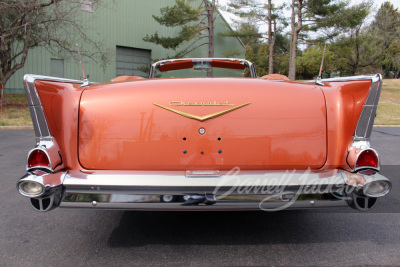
(54, 105)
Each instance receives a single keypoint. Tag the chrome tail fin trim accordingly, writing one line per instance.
(35, 108)
(35, 105)
(367, 118)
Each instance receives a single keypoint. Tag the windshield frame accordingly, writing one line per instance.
(247, 63)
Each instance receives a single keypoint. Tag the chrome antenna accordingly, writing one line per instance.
(85, 80)
(319, 82)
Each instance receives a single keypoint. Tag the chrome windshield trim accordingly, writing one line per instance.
(250, 65)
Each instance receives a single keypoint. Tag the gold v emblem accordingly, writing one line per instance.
(201, 118)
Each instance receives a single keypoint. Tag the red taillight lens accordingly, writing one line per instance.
(38, 158)
(367, 158)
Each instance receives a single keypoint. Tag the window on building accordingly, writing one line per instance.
(87, 5)
(129, 61)
(57, 67)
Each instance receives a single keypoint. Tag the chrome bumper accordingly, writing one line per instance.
(247, 190)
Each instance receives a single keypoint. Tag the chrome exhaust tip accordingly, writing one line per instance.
(47, 203)
(365, 198)
(360, 202)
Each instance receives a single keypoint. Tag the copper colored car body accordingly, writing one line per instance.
(204, 143)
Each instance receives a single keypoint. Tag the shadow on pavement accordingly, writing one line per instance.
(258, 227)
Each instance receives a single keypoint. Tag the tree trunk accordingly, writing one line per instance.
(2, 95)
(293, 38)
(210, 17)
(210, 14)
(271, 39)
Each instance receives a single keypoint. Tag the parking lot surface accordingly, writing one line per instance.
(92, 237)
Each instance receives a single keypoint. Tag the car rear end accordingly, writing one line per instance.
(203, 144)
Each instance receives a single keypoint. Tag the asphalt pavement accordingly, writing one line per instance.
(69, 237)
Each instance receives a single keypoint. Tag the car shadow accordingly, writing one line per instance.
(233, 228)
(139, 228)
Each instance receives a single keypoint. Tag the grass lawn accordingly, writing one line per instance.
(16, 112)
(389, 103)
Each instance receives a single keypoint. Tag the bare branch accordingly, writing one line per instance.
(53, 24)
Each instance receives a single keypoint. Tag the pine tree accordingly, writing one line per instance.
(318, 16)
(257, 12)
(190, 21)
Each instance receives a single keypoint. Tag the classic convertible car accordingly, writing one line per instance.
(203, 134)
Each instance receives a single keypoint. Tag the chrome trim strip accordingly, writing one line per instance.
(366, 120)
(372, 77)
(204, 174)
(32, 77)
(35, 105)
(176, 179)
(238, 205)
(250, 65)
(176, 183)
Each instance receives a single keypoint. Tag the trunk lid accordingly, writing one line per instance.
(156, 125)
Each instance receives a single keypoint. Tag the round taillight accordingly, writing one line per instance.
(38, 159)
(367, 158)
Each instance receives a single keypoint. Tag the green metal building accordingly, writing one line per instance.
(120, 26)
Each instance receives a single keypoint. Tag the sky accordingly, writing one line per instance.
(377, 4)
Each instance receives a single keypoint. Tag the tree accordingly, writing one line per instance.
(26, 24)
(308, 64)
(297, 10)
(318, 16)
(259, 13)
(386, 28)
(271, 37)
(387, 23)
(248, 34)
(326, 18)
(361, 49)
(189, 19)
(392, 57)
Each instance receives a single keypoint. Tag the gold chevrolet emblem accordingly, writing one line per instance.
(201, 118)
